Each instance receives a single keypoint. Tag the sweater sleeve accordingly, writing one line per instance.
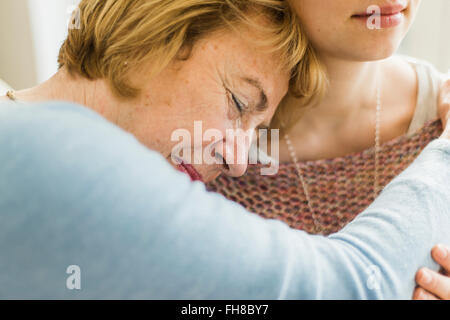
(83, 193)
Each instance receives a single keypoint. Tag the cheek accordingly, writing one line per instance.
(211, 107)
(207, 117)
(321, 27)
(412, 12)
(202, 102)
(214, 115)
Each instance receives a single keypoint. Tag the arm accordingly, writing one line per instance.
(136, 228)
(433, 285)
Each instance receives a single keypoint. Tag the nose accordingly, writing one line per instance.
(235, 154)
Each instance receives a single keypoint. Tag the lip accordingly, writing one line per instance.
(386, 10)
(390, 15)
(190, 171)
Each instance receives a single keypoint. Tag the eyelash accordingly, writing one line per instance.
(238, 104)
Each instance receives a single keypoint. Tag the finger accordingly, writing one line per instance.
(441, 254)
(444, 103)
(434, 282)
(444, 272)
(422, 294)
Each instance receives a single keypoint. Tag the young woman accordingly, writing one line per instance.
(377, 112)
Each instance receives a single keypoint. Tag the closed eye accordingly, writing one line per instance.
(240, 106)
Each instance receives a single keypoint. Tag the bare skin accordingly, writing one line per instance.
(204, 88)
(344, 121)
(432, 285)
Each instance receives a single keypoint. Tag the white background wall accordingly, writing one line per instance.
(429, 37)
(16, 45)
(48, 21)
(31, 32)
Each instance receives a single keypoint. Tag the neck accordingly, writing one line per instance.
(62, 86)
(352, 87)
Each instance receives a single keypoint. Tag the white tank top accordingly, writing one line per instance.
(429, 84)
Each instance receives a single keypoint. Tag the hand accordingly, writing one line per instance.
(444, 108)
(433, 285)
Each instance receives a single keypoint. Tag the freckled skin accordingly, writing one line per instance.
(212, 84)
(196, 90)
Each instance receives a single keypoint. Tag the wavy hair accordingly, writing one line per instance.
(117, 36)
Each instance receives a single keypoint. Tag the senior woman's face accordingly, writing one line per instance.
(226, 83)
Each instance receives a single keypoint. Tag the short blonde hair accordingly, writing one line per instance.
(117, 36)
(308, 87)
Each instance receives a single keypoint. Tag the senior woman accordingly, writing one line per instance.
(86, 186)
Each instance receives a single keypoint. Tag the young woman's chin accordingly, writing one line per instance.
(379, 51)
(355, 29)
(378, 44)
(371, 46)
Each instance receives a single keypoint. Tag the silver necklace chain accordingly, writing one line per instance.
(319, 228)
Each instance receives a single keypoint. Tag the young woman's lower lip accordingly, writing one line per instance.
(386, 21)
(190, 171)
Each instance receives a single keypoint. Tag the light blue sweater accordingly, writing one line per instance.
(77, 190)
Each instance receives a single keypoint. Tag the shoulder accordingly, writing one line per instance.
(16, 113)
(54, 123)
(402, 74)
(65, 145)
(422, 66)
(399, 96)
(429, 78)
(429, 81)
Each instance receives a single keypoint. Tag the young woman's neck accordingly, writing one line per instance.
(352, 87)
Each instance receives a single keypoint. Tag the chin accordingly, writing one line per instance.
(376, 50)
(210, 177)
(372, 45)
(380, 54)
